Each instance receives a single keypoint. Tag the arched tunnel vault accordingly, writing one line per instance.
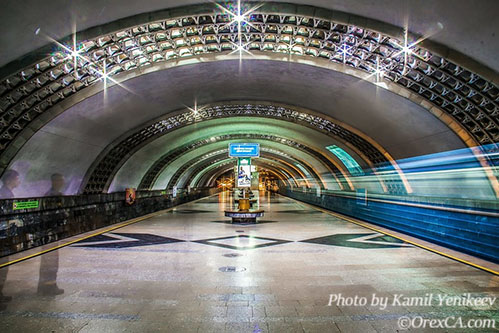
(198, 168)
(208, 176)
(300, 155)
(100, 123)
(99, 175)
(160, 166)
(467, 101)
(382, 16)
(319, 161)
(220, 131)
(300, 166)
(200, 175)
(201, 133)
(428, 105)
(208, 179)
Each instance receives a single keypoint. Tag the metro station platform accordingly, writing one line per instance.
(187, 269)
(249, 166)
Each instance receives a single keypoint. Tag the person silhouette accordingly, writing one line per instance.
(47, 281)
(3, 277)
(57, 185)
(49, 262)
(10, 181)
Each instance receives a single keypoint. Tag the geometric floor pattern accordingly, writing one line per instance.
(180, 272)
(241, 242)
(358, 241)
(124, 240)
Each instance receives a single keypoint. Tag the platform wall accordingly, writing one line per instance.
(60, 217)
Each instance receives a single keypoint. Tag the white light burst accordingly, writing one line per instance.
(407, 49)
(76, 54)
(195, 110)
(379, 71)
(239, 19)
(345, 51)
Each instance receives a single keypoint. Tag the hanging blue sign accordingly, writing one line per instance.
(244, 149)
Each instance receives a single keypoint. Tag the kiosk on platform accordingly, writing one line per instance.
(244, 152)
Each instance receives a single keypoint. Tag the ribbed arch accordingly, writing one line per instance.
(463, 97)
(209, 178)
(197, 166)
(100, 174)
(309, 172)
(197, 174)
(267, 142)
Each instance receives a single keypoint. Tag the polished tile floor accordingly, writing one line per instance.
(188, 270)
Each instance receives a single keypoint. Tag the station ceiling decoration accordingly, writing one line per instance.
(100, 174)
(213, 166)
(27, 93)
(265, 153)
(162, 163)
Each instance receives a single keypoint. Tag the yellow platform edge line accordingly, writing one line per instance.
(124, 224)
(346, 218)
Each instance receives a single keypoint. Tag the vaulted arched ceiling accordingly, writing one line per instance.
(339, 77)
(456, 25)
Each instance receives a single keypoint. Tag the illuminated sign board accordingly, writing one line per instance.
(244, 150)
(25, 205)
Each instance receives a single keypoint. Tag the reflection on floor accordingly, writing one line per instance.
(180, 272)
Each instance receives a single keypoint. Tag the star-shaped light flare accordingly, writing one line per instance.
(76, 53)
(379, 71)
(345, 51)
(238, 17)
(195, 110)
